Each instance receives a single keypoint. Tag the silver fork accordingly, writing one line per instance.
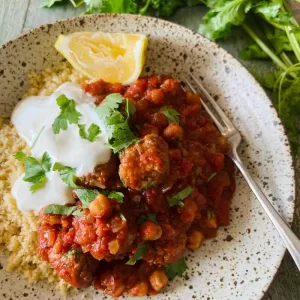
(228, 130)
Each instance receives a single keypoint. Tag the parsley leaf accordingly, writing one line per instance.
(35, 171)
(50, 3)
(176, 269)
(120, 134)
(92, 134)
(253, 51)
(224, 14)
(171, 113)
(111, 6)
(142, 218)
(56, 209)
(68, 114)
(67, 174)
(116, 195)
(86, 196)
(139, 253)
(177, 199)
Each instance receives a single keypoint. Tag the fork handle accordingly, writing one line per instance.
(289, 238)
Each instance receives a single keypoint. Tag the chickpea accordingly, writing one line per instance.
(150, 231)
(159, 120)
(117, 292)
(158, 279)
(139, 289)
(173, 132)
(100, 207)
(192, 98)
(194, 240)
(155, 96)
(113, 246)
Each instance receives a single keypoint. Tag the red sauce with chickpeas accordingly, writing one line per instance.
(93, 249)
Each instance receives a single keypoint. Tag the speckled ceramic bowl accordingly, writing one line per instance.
(242, 261)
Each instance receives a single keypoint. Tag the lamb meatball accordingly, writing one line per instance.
(74, 267)
(146, 164)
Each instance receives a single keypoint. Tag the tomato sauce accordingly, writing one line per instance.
(169, 157)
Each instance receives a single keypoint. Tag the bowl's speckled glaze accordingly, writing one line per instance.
(241, 262)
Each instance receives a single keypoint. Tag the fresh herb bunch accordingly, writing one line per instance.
(276, 35)
(160, 8)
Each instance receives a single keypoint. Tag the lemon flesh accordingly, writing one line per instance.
(113, 57)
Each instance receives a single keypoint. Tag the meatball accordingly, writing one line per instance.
(74, 267)
(145, 164)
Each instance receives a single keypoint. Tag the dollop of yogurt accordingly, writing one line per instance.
(33, 118)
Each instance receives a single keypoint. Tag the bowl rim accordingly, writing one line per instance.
(263, 93)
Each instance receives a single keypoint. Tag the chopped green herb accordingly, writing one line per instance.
(116, 195)
(86, 196)
(177, 199)
(176, 269)
(210, 214)
(35, 171)
(123, 217)
(68, 114)
(171, 114)
(120, 134)
(56, 209)
(139, 253)
(142, 218)
(72, 253)
(211, 176)
(92, 134)
(67, 174)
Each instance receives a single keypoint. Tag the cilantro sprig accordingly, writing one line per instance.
(177, 199)
(35, 170)
(67, 174)
(68, 114)
(91, 134)
(120, 134)
(57, 209)
(139, 253)
(171, 114)
(176, 269)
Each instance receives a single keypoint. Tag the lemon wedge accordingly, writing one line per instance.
(113, 57)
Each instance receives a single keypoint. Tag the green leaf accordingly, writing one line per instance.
(177, 199)
(211, 176)
(171, 113)
(46, 162)
(139, 253)
(92, 133)
(50, 3)
(176, 269)
(111, 6)
(142, 218)
(253, 52)
(123, 217)
(56, 209)
(72, 253)
(120, 134)
(35, 171)
(130, 109)
(116, 195)
(68, 114)
(86, 196)
(220, 18)
(210, 214)
(67, 174)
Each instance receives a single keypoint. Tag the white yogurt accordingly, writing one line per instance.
(33, 118)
